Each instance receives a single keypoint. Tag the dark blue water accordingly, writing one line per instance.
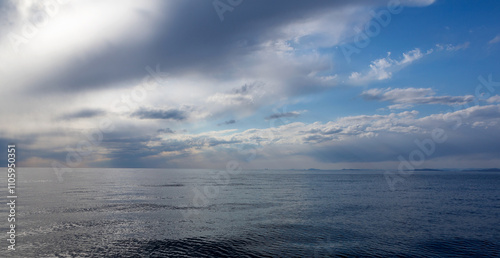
(200, 213)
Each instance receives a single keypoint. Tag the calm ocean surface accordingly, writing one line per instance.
(200, 213)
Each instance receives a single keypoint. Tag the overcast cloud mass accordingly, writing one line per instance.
(269, 84)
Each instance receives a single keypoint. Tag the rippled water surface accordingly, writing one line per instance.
(204, 213)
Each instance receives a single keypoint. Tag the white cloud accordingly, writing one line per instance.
(383, 68)
(406, 122)
(359, 139)
(450, 47)
(231, 99)
(494, 99)
(494, 40)
(410, 56)
(418, 2)
(70, 32)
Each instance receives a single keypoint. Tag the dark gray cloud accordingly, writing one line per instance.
(323, 132)
(127, 151)
(375, 149)
(170, 114)
(165, 131)
(281, 115)
(24, 151)
(409, 96)
(317, 138)
(245, 89)
(214, 142)
(389, 146)
(84, 113)
(229, 122)
(137, 151)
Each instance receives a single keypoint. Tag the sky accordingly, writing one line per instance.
(251, 83)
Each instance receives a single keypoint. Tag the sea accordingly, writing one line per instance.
(103, 212)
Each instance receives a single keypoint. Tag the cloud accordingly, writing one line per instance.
(120, 42)
(169, 114)
(383, 68)
(229, 122)
(262, 55)
(281, 115)
(450, 47)
(105, 59)
(374, 138)
(243, 95)
(85, 113)
(494, 99)
(165, 131)
(494, 40)
(419, 2)
(363, 139)
(405, 98)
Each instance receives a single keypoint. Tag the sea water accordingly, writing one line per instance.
(262, 213)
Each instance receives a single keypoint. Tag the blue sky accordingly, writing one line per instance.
(280, 84)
